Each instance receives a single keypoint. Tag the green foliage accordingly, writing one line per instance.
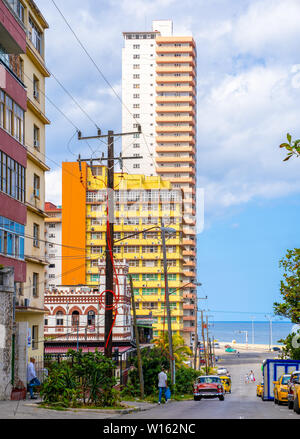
(291, 349)
(290, 287)
(185, 378)
(181, 352)
(84, 379)
(152, 360)
(293, 147)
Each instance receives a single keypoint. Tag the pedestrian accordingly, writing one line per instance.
(251, 376)
(32, 379)
(162, 384)
(246, 378)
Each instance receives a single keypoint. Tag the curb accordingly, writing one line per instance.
(108, 411)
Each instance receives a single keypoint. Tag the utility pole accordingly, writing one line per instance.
(203, 339)
(109, 274)
(172, 366)
(207, 342)
(139, 356)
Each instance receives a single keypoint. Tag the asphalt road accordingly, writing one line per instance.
(242, 403)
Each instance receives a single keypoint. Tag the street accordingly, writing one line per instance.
(242, 403)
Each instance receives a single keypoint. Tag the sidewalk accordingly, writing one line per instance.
(30, 409)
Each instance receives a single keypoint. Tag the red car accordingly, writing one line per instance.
(208, 386)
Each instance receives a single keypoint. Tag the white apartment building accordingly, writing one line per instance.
(53, 238)
(159, 94)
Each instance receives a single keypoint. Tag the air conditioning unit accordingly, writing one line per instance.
(92, 229)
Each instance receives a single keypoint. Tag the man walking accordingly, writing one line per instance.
(32, 379)
(162, 385)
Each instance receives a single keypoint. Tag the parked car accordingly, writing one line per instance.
(222, 371)
(260, 389)
(281, 389)
(226, 381)
(294, 391)
(230, 350)
(216, 345)
(276, 348)
(227, 346)
(208, 386)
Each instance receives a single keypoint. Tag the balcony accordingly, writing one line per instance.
(12, 33)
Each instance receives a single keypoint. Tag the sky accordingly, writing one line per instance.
(248, 90)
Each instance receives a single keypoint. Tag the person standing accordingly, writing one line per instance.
(162, 384)
(32, 379)
(252, 379)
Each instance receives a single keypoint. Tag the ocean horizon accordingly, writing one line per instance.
(258, 333)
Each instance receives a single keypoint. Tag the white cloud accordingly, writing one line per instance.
(53, 186)
(248, 86)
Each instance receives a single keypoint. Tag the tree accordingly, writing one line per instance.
(181, 352)
(290, 287)
(293, 147)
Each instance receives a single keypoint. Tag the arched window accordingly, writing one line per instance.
(91, 318)
(59, 318)
(75, 318)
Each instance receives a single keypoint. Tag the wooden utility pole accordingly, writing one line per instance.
(109, 273)
(139, 356)
(207, 342)
(203, 339)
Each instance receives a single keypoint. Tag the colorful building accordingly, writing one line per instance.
(140, 203)
(159, 93)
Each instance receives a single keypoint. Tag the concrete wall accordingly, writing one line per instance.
(6, 330)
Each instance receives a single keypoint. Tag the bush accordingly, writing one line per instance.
(84, 379)
(185, 378)
(153, 360)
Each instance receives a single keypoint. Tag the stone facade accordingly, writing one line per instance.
(6, 330)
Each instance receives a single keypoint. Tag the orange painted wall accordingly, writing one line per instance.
(73, 224)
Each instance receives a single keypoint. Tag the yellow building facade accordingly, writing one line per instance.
(140, 203)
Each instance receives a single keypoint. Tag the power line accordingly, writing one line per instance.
(100, 72)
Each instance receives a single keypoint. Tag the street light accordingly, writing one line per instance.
(270, 327)
(169, 230)
(252, 324)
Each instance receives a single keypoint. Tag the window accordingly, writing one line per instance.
(36, 186)
(136, 105)
(36, 93)
(35, 336)
(75, 318)
(136, 46)
(36, 137)
(136, 96)
(136, 165)
(35, 35)
(36, 232)
(135, 56)
(136, 85)
(9, 115)
(35, 284)
(136, 66)
(59, 318)
(136, 145)
(91, 318)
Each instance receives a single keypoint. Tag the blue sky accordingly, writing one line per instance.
(248, 99)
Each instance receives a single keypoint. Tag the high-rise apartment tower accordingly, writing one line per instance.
(159, 93)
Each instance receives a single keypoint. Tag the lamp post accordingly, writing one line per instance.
(165, 230)
(270, 330)
(252, 327)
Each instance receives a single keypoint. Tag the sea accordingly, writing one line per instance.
(259, 333)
